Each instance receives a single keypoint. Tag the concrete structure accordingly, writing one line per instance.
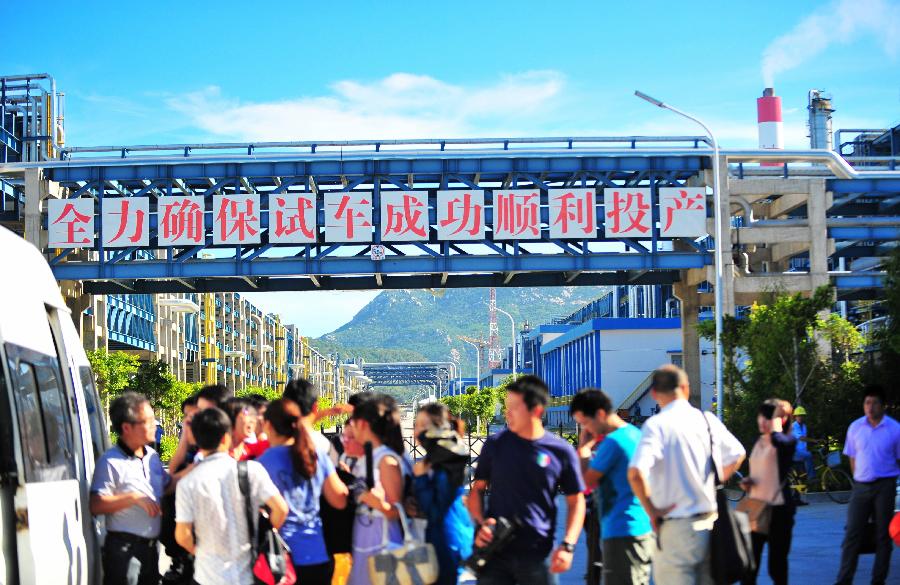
(616, 355)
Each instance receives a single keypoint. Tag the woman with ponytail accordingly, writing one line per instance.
(376, 420)
(303, 473)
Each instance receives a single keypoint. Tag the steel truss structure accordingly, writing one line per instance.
(864, 220)
(436, 375)
(479, 165)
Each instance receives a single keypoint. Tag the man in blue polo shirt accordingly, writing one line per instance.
(625, 528)
(127, 488)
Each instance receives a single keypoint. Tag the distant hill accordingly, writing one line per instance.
(416, 325)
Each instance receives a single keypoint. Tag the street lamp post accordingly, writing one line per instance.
(513, 323)
(720, 244)
(477, 363)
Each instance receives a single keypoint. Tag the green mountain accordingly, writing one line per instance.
(420, 325)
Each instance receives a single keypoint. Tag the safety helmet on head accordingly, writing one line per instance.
(799, 411)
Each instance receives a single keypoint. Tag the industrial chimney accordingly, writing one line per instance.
(820, 120)
(768, 115)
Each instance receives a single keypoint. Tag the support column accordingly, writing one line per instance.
(36, 189)
(689, 298)
(728, 304)
(816, 211)
(817, 204)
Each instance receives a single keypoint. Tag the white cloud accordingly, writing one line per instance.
(841, 21)
(401, 105)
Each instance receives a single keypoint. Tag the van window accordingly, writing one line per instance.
(45, 431)
(95, 417)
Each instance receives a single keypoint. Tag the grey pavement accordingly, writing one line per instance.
(815, 551)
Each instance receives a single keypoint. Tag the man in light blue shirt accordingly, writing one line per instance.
(873, 446)
(127, 488)
(625, 528)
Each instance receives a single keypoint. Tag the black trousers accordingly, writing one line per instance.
(130, 560)
(869, 500)
(315, 574)
(781, 529)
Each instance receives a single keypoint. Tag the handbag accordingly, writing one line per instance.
(270, 558)
(412, 563)
(731, 552)
(758, 512)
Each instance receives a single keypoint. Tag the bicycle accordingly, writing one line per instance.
(832, 480)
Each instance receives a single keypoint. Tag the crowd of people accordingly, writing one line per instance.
(338, 502)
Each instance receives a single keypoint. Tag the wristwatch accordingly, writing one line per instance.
(567, 546)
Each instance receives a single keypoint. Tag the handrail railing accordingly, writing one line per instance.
(377, 145)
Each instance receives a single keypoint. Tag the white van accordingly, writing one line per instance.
(51, 429)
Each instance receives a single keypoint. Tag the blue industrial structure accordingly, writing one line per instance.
(271, 169)
(537, 163)
(435, 375)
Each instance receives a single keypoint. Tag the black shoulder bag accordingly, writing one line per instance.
(731, 555)
(270, 559)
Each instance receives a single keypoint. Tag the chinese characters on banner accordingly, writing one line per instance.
(460, 215)
(627, 212)
(348, 217)
(70, 223)
(180, 221)
(236, 219)
(573, 213)
(292, 218)
(682, 212)
(517, 215)
(404, 216)
(126, 222)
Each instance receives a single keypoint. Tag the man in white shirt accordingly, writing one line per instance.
(210, 519)
(671, 475)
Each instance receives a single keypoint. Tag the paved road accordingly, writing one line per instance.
(815, 553)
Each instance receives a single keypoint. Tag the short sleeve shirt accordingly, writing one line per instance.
(121, 472)
(302, 530)
(209, 498)
(674, 455)
(524, 478)
(621, 513)
(875, 450)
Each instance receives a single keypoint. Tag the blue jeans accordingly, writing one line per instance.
(807, 460)
(511, 570)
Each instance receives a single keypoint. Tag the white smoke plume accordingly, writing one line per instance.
(841, 22)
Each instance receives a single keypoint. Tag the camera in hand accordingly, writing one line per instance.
(504, 531)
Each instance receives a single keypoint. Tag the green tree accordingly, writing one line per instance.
(270, 394)
(154, 380)
(774, 352)
(889, 336)
(113, 371)
(481, 405)
(886, 365)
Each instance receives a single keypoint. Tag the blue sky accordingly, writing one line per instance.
(164, 72)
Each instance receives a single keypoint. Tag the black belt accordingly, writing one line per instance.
(131, 538)
(874, 481)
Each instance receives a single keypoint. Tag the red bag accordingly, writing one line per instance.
(894, 529)
(270, 557)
